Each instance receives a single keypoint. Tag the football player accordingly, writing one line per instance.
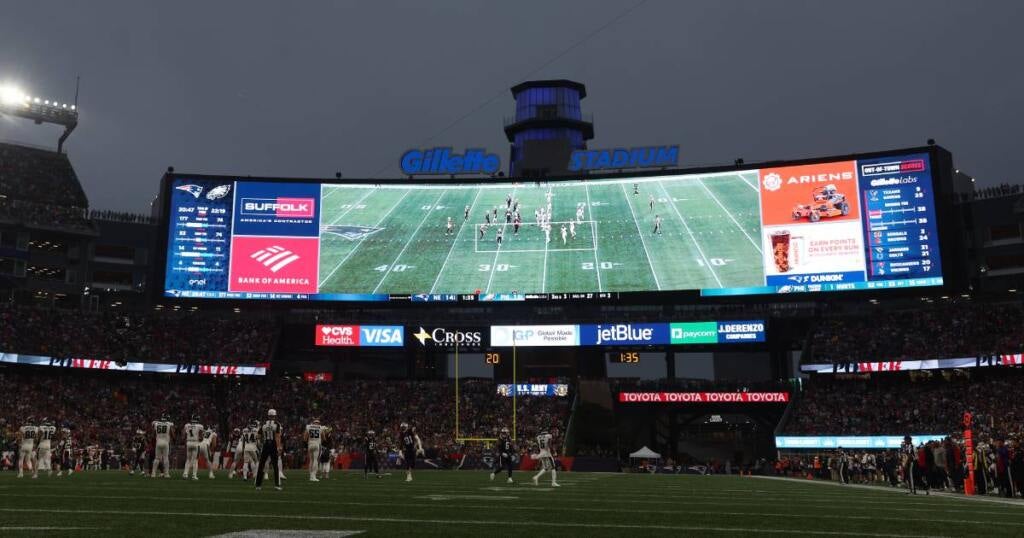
(67, 456)
(312, 437)
(563, 234)
(44, 455)
(250, 450)
(411, 447)
(193, 433)
(547, 461)
(650, 202)
(505, 455)
(208, 447)
(466, 214)
(235, 444)
(162, 428)
(370, 460)
(657, 225)
(26, 447)
(449, 227)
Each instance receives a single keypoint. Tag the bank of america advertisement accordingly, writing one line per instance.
(840, 225)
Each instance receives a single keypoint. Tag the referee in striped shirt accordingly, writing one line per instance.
(270, 432)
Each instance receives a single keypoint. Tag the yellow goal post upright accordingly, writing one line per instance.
(486, 440)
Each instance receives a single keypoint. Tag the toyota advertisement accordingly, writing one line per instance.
(835, 225)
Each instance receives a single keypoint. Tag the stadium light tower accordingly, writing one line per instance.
(15, 102)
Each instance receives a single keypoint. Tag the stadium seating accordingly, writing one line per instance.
(941, 329)
(181, 338)
(39, 186)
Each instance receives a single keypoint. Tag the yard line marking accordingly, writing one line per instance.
(729, 214)
(458, 234)
(486, 522)
(593, 232)
(642, 240)
(544, 507)
(351, 207)
(744, 179)
(690, 232)
(360, 242)
(538, 250)
(498, 249)
(409, 242)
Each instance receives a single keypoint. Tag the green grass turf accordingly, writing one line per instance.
(465, 503)
(711, 237)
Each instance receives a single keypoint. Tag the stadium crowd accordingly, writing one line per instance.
(40, 186)
(150, 337)
(940, 330)
(107, 410)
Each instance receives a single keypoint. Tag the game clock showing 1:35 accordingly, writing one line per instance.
(626, 357)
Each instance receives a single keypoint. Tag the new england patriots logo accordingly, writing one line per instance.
(194, 190)
(352, 233)
(217, 193)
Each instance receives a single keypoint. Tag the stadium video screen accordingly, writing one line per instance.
(843, 225)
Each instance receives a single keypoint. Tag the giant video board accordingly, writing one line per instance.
(819, 226)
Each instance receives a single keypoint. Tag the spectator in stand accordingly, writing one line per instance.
(943, 330)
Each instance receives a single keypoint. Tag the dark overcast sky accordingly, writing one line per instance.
(308, 88)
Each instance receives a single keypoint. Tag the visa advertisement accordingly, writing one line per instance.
(359, 336)
(842, 224)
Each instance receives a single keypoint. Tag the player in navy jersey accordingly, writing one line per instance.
(370, 460)
(505, 454)
(270, 435)
(411, 447)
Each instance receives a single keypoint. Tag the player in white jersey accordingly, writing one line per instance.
(250, 449)
(44, 455)
(547, 460)
(26, 448)
(163, 429)
(312, 435)
(193, 437)
(207, 448)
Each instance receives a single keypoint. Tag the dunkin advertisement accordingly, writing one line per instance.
(811, 225)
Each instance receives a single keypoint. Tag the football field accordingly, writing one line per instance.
(466, 503)
(395, 238)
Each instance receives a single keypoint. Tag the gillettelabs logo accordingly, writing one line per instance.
(274, 258)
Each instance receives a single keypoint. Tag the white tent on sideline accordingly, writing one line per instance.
(645, 454)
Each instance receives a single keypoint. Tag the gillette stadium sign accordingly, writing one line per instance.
(642, 157)
(445, 161)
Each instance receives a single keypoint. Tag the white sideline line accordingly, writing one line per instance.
(690, 232)
(593, 232)
(744, 179)
(900, 490)
(360, 242)
(497, 251)
(729, 214)
(409, 242)
(568, 525)
(642, 240)
(458, 234)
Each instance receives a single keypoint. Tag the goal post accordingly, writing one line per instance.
(459, 438)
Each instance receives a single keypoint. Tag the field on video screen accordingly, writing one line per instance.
(395, 239)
